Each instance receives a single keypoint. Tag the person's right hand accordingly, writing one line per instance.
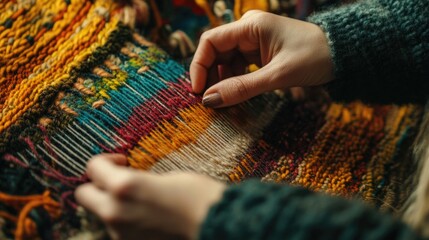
(290, 53)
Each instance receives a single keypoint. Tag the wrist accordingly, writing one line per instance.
(199, 213)
(323, 54)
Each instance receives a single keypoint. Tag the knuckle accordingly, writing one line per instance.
(256, 23)
(122, 186)
(91, 162)
(257, 15)
(251, 12)
(91, 165)
(206, 36)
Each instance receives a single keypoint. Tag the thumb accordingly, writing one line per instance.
(238, 89)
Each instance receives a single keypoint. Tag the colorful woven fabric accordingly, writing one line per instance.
(75, 82)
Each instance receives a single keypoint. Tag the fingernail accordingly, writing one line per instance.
(212, 100)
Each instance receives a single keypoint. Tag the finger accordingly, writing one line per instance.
(122, 218)
(113, 178)
(92, 198)
(240, 88)
(113, 212)
(214, 43)
(204, 57)
(121, 182)
(250, 13)
(104, 164)
(116, 158)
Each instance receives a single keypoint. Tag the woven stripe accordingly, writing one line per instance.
(75, 82)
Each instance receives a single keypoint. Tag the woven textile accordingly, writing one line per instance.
(75, 82)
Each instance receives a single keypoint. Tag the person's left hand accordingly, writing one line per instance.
(135, 204)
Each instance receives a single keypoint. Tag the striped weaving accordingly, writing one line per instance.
(75, 82)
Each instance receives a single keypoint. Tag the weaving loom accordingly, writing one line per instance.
(76, 82)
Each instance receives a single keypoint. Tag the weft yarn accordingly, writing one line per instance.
(75, 82)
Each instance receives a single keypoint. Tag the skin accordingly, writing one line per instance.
(291, 53)
(136, 203)
(133, 203)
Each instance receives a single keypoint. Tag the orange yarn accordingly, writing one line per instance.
(67, 56)
(212, 18)
(25, 226)
(170, 136)
(241, 7)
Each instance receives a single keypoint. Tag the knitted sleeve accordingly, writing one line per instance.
(254, 210)
(379, 46)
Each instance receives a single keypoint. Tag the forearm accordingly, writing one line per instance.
(379, 46)
(254, 210)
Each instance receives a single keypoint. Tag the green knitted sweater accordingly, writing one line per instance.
(254, 210)
(377, 46)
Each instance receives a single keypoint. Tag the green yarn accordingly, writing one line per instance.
(255, 210)
(379, 46)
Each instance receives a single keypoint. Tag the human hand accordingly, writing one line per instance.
(290, 52)
(135, 204)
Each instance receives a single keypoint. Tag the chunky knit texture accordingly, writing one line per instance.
(380, 49)
(273, 211)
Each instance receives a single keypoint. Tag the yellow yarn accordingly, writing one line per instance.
(242, 6)
(62, 62)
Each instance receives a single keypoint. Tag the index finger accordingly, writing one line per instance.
(108, 173)
(105, 169)
(213, 45)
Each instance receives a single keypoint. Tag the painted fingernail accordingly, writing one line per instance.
(212, 100)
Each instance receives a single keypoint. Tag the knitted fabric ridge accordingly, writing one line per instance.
(75, 82)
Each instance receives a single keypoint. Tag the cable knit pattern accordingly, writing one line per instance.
(379, 45)
(254, 210)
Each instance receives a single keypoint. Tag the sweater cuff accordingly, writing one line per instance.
(371, 52)
(254, 210)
